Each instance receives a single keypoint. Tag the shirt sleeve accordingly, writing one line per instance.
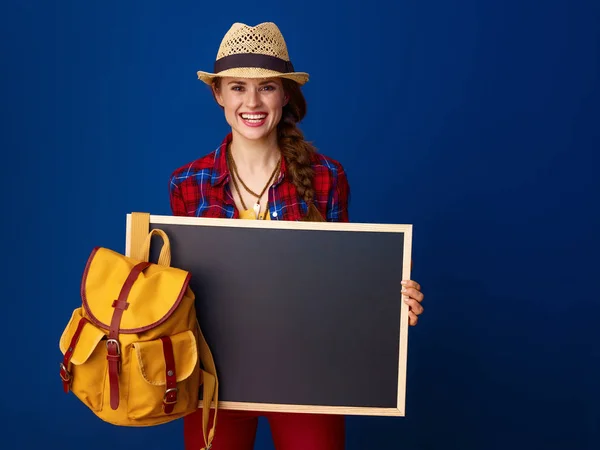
(339, 198)
(176, 199)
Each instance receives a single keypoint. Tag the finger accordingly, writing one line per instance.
(411, 284)
(413, 293)
(412, 319)
(414, 306)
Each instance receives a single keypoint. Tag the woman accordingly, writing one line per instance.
(265, 170)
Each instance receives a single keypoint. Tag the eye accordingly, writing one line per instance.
(269, 87)
(237, 88)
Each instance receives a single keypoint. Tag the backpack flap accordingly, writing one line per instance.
(86, 341)
(153, 297)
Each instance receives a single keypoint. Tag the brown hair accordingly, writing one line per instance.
(296, 151)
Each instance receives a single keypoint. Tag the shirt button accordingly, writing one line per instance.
(275, 214)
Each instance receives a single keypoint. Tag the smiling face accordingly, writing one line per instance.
(252, 107)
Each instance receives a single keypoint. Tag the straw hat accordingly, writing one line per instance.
(253, 52)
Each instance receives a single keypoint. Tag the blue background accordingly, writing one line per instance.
(476, 121)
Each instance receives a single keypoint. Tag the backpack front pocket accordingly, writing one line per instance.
(85, 370)
(164, 377)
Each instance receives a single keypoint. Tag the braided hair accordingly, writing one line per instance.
(296, 151)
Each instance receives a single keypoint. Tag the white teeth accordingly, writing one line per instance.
(253, 116)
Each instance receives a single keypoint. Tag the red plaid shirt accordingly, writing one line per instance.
(201, 189)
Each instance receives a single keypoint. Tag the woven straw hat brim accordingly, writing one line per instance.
(253, 72)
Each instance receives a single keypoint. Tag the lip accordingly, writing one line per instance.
(254, 124)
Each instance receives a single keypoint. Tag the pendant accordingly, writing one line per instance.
(256, 209)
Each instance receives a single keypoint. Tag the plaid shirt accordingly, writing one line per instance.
(201, 189)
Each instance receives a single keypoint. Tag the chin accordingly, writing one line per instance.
(255, 135)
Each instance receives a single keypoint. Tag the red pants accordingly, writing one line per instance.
(236, 430)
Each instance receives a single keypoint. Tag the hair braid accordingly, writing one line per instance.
(296, 151)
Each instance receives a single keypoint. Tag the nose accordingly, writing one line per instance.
(252, 98)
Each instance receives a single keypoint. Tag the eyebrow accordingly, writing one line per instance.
(244, 83)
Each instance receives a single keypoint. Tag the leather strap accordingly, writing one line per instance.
(66, 364)
(120, 305)
(170, 397)
(112, 344)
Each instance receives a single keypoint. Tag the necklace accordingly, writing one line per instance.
(236, 176)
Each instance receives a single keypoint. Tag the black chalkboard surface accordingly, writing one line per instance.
(300, 316)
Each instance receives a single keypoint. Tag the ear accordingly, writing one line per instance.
(218, 95)
(286, 99)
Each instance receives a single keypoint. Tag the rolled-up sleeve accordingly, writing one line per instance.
(176, 199)
(339, 198)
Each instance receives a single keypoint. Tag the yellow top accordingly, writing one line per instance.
(249, 214)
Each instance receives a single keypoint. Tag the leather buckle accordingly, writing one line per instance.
(114, 341)
(167, 392)
(116, 357)
(65, 374)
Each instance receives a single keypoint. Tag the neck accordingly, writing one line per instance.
(255, 155)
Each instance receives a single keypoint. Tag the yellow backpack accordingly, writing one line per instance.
(134, 352)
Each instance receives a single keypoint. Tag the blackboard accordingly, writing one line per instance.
(300, 316)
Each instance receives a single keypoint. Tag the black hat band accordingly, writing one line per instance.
(253, 60)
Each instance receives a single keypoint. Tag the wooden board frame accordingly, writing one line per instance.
(406, 229)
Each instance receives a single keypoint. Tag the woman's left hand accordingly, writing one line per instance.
(412, 295)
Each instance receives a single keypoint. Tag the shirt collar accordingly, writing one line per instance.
(221, 170)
